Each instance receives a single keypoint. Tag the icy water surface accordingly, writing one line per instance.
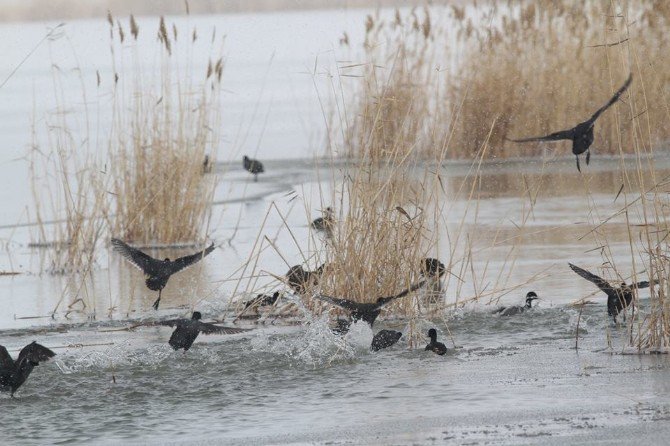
(505, 381)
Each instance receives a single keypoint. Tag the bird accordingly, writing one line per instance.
(207, 165)
(367, 312)
(262, 300)
(253, 166)
(14, 373)
(516, 309)
(582, 134)
(434, 346)
(157, 272)
(618, 297)
(299, 279)
(326, 222)
(187, 330)
(432, 268)
(384, 339)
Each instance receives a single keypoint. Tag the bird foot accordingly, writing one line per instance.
(155, 305)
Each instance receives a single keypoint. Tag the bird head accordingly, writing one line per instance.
(531, 296)
(196, 316)
(432, 334)
(167, 259)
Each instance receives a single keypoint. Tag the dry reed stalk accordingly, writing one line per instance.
(162, 131)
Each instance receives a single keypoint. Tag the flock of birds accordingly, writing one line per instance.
(13, 373)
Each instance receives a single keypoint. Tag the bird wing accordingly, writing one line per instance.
(599, 281)
(143, 261)
(384, 300)
(557, 136)
(206, 328)
(342, 303)
(35, 353)
(615, 98)
(6, 361)
(186, 261)
(643, 284)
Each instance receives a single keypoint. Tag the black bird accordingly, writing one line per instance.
(14, 373)
(188, 329)
(326, 222)
(207, 165)
(157, 272)
(367, 312)
(262, 300)
(618, 298)
(434, 346)
(384, 339)
(299, 279)
(582, 134)
(516, 309)
(432, 268)
(253, 166)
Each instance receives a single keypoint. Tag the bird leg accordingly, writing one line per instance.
(588, 156)
(255, 178)
(158, 301)
(578, 168)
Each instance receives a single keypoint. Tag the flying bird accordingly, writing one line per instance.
(14, 373)
(582, 134)
(516, 309)
(187, 330)
(367, 312)
(157, 272)
(618, 297)
(434, 346)
(252, 166)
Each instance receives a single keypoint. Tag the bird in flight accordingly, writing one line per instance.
(582, 134)
(157, 272)
(14, 373)
(187, 330)
(618, 297)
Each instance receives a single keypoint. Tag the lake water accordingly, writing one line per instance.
(505, 380)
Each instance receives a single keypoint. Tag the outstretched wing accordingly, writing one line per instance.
(557, 136)
(615, 98)
(384, 300)
(6, 361)
(186, 261)
(206, 328)
(141, 260)
(342, 303)
(599, 281)
(35, 352)
(643, 284)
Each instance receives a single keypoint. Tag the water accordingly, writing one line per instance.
(505, 380)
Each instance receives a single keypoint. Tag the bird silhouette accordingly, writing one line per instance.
(157, 272)
(326, 222)
(299, 279)
(187, 330)
(252, 166)
(434, 346)
(367, 312)
(516, 309)
(384, 339)
(618, 297)
(582, 134)
(14, 373)
(432, 268)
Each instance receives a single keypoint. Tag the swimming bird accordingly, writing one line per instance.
(367, 312)
(262, 300)
(434, 346)
(384, 339)
(157, 272)
(618, 297)
(299, 279)
(326, 222)
(187, 330)
(582, 134)
(252, 166)
(516, 309)
(14, 373)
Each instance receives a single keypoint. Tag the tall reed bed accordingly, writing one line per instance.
(165, 122)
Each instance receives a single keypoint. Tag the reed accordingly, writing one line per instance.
(163, 127)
